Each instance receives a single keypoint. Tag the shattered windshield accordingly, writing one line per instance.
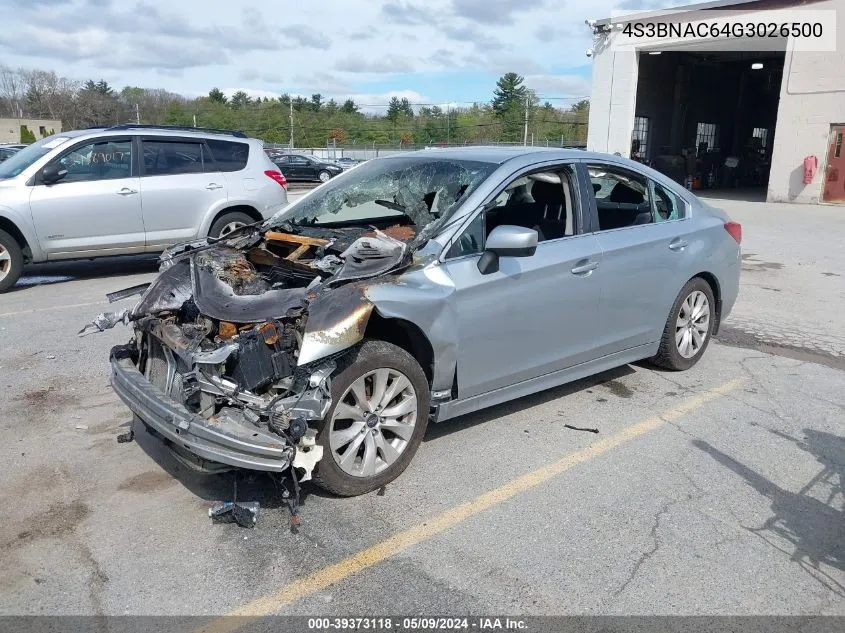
(423, 190)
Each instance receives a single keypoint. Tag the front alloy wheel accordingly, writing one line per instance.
(373, 422)
(378, 416)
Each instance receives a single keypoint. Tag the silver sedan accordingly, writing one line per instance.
(416, 288)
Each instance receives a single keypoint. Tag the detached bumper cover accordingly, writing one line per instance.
(222, 441)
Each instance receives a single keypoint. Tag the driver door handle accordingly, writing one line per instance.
(213, 185)
(584, 267)
(126, 191)
(678, 244)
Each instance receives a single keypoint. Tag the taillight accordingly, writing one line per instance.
(735, 229)
(278, 176)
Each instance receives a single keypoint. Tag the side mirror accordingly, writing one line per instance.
(53, 173)
(507, 241)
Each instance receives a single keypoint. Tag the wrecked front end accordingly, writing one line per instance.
(226, 363)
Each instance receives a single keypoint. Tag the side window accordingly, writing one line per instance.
(298, 160)
(107, 160)
(546, 201)
(621, 197)
(471, 240)
(282, 160)
(667, 205)
(228, 155)
(165, 158)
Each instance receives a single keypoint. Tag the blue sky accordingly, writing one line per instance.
(429, 51)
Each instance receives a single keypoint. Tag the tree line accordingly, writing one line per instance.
(316, 121)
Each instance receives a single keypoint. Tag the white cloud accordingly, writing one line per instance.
(333, 47)
(558, 85)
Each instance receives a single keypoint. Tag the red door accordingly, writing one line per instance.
(834, 177)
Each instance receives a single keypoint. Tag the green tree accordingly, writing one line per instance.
(349, 107)
(26, 135)
(316, 102)
(510, 93)
(240, 99)
(581, 106)
(394, 110)
(215, 95)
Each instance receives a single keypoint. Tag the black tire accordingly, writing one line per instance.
(13, 266)
(226, 219)
(668, 356)
(369, 356)
(325, 173)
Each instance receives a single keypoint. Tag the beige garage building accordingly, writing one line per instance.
(732, 113)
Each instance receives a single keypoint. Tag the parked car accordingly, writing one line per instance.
(129, 189)
(425, 285)
(348, 163)
(7, 151)
(304, 167)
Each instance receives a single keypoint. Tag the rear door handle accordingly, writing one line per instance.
(584, 267)
(126, 191)
(213, 185)
(678, 244)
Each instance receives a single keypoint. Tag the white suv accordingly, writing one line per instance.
(130, 189)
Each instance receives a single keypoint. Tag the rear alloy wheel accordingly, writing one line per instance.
(688, 328)
(324, 176)
(377, 419)
(229, 222)
(11, 261)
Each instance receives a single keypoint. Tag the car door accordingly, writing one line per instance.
(283, 163)
(303, 169)
(536, 314)
(648, 253)
(94, 209)
(180, 184)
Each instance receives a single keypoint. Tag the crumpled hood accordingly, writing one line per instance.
(225, 283)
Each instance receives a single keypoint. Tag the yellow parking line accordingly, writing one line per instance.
(50, 308)
(364, 559)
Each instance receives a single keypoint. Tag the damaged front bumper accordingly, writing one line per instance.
(222, 439)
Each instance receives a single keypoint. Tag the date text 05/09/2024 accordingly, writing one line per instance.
(418, 624)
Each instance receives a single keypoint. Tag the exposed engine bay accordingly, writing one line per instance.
(220, 331)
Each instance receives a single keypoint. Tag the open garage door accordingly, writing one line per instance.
(708, 117)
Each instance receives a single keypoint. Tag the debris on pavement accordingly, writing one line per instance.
(81, 427)
(580, 428)
(244, 513)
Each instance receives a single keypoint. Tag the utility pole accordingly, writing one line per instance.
(137, 115)
(291, 123)
(195, 120)
(525, 130)
(448, 126)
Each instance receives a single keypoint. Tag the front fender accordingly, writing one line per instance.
(24, 225)
(337, 319)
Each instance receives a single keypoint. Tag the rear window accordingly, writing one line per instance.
(229, 155)
(164, 158)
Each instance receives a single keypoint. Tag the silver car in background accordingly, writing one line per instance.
(419, 287)
(129, 189)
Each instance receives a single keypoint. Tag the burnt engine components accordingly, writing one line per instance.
(264, 356)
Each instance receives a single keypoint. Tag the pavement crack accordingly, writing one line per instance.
(655, 545)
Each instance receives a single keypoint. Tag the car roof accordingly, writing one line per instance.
(149, 131)
(501, 154)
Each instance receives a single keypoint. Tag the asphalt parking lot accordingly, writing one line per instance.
(714, 491)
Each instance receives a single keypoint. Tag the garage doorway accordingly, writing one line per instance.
(708, 117)
(834, 175)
